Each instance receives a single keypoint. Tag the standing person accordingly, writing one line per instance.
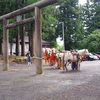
(28, 58)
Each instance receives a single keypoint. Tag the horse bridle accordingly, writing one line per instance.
(83, 56)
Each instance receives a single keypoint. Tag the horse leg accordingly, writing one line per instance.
(65, 65)
(54, 64)
(57, 64)
(78, 65)
(62, 65)
(50, 62)
(57, 61)
(45, 61)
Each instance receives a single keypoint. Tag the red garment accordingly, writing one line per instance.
(52, 57)
(45, 55)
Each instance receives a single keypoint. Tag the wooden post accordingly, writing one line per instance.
(38, 41)
(5, 46)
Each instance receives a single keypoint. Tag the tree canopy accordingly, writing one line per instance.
(81, 23)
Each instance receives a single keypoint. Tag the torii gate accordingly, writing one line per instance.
(38, 37)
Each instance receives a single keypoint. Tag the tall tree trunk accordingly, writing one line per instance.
(11, 48)
(17, 43)
(17, 36)
(32, 39)
(0, 47)
(23, 39)
(67, 47)
(23, 35)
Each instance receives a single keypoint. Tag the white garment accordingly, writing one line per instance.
(29, 63)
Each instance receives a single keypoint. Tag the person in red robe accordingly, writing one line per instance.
(52, 58)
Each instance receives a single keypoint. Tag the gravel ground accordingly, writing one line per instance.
(21, 83)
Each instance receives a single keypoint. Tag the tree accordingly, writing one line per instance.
(48, 23)
(70, 15)
(92, 42)
(6, 6)
(91, 15)
(96, 17)
(86, 15)
(90, 20)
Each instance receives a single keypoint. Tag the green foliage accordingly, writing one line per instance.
(7, 6)
(54, 44)
(0, 54)
(91, 15)
(59, 47)
(48, 19)
(70, 15)
(75, 19)
(33, 55)
(92, 42)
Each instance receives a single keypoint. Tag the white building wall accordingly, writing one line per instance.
(14, 48)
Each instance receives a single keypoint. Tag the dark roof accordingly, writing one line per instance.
(43, 41)
(27, 40)
(46, 42)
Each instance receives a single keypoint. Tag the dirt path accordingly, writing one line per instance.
(21, 83)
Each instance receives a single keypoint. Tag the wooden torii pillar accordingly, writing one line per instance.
(38, 41)
(5, 45)
(38, 36)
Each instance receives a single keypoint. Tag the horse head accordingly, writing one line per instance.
(83, 53)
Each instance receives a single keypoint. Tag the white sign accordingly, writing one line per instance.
(19, 18)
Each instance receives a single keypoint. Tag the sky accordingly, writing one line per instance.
(82, 1)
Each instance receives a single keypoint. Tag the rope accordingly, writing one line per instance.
(38, 58)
